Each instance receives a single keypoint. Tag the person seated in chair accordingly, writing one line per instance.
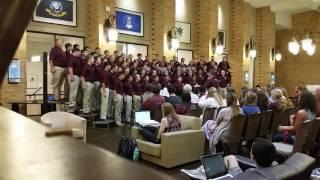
(169, 123)
(250, 104)
(154, 100)
(263, 152)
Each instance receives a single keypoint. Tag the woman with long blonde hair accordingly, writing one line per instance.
(169, 123)
(212, 99)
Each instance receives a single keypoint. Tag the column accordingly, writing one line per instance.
(265, 41)
(163, 20)
(97, 15)
(206, 27)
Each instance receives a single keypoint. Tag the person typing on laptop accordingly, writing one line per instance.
(169, 123)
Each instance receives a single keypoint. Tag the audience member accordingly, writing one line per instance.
(188, 89)
(250, 104)
(306, 111)
(276, 102)
(155, 100)
(169, 123)
(223, 122)
(262, 100)
(212, 99)
(173, 98)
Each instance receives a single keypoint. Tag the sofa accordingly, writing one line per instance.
(176, 148)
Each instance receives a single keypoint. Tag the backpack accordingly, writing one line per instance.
(126, 147)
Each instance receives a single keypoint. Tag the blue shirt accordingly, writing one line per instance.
(250, 109)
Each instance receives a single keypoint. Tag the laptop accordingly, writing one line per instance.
(143, 118)
(214, 166)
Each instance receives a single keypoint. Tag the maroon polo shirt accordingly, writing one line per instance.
(113, 79)
(223, 81)
(58, 57)
(211, 83)
(137, 88)
(75, 64)
(128, 89)
(105, 78)
(97, 73)
(224, 65)
(119, 87)
(153, 101)
(88, 73)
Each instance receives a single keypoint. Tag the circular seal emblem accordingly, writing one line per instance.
(56, 7)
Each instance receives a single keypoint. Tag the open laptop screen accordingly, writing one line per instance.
(142, 116)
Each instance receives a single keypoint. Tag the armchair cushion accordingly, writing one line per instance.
(190, 122)
(149, 148)
(285, 149)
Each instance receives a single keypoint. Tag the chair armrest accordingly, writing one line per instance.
(183, 139)
(135, 133)
(245, 162)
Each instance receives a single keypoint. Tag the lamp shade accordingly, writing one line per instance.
(311, 50)
(278, 56)
(253, 53)
(175, 43)
(306, 43)
(219, 49)
(294, 47)
(112, 34)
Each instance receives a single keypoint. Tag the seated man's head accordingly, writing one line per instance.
(263, 152)
(156, 89)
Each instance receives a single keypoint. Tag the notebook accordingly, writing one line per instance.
(143, 118)
(214, 166)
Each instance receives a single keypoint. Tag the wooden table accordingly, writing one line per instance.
(25, 153)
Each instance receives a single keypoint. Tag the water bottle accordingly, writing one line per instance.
(136, 154)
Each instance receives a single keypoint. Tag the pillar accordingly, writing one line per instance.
(96, 36)
(163, 20)
(206, 27)
(265, 41)
(16, 92)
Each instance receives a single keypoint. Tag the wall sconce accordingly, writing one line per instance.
(251, 51)
(110, 27)
(278, 56)
(173, 38)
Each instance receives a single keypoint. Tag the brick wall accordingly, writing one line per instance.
(16, 92)
(265, 41)
(206, 26)
(301, 69)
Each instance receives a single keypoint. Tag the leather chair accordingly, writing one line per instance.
(300, 138)
(312, 135)
(176, 148)
(252, 126)
(275, 121)
(65, 121)
(156, 113)
(236, 130)
(208, 114)
(265, 123)
(195, 112)
(297, 167)
(285, 120)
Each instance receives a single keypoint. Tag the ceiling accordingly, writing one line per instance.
(283, 9)
(290, 6)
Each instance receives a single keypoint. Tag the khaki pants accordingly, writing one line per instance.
(128, 100)
(58, 77)
(96, 97)
(118, 103)
(74, 86)
(87, 97)
(136, 103)
(110, 104)
(104, 104)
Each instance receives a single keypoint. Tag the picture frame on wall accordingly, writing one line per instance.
(61, 12)
(252, 42)
(246, 77)
(130, 22)
(273, 78)
(221, 38)
(185, 29)
(14, 72)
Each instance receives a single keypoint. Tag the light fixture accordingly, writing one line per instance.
(112, 34)
(110, 26)
(311, 50)
(35, 58)
(219, 48)
(278, 56)
(175, 43)
(253, 53)
(306, 42)
(173, 38)
(294, 46)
